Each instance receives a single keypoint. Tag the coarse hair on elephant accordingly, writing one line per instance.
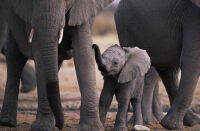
(168, 30)
(123, 70)
(44, 30)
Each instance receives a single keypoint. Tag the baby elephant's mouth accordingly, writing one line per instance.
(110, 73)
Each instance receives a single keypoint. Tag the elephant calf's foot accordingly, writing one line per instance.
(159, 117)
(191, 118)
(44, 123)
(121, 128)
(148, 119)
(90, 125)
(7, 121)
(140, 128)
(171, 122)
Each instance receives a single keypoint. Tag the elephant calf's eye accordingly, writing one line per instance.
(115, 63)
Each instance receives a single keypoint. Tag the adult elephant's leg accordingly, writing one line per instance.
(190, 69)
(169, 77)
(85, 71)
(157, 105)
(191, 118)
(28, 79)
(180, 105)
(106, 97)
(15, 63)
(150, 81)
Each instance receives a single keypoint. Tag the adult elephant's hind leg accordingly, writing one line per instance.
(191, 118)
(169, 77)
(174, 118)
(85, 71)
(15, 63)
(190, 69)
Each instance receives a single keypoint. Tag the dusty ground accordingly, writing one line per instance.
(71, 123)
(70, 91)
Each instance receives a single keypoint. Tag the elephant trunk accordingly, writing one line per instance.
(48, 22)
(99, 60)
(47, 58)
(49, 55)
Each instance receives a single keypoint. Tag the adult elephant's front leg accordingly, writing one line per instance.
(85, 71)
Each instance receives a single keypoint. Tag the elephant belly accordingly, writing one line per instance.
(153, 26)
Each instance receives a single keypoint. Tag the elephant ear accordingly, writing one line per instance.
(82, 10)
(196, 2)
(138, 63)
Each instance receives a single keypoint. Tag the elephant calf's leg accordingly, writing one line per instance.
(150, 81)
(157, 105)
(138, 112)
(106, 97)
(15, 64)
(123, 99)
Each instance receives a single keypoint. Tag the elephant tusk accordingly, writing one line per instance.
(31, 35)
(61, 35)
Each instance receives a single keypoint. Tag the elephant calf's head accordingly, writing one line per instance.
(122, 62)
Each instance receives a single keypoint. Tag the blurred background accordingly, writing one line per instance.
(105, 35)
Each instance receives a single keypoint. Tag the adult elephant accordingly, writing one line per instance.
(169, 30)
(35, 29)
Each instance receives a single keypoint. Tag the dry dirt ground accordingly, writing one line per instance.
(70, 92)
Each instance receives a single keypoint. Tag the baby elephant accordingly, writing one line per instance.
(124, 70)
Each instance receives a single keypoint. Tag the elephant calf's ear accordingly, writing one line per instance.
(83, 10)
(138, 62)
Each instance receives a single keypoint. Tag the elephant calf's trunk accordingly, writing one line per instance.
(99, 59)
(53, 95)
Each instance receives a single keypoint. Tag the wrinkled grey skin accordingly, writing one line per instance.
(169, 31)
(44, 20)
(123, 71)
(28, 78)
(151, 104)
